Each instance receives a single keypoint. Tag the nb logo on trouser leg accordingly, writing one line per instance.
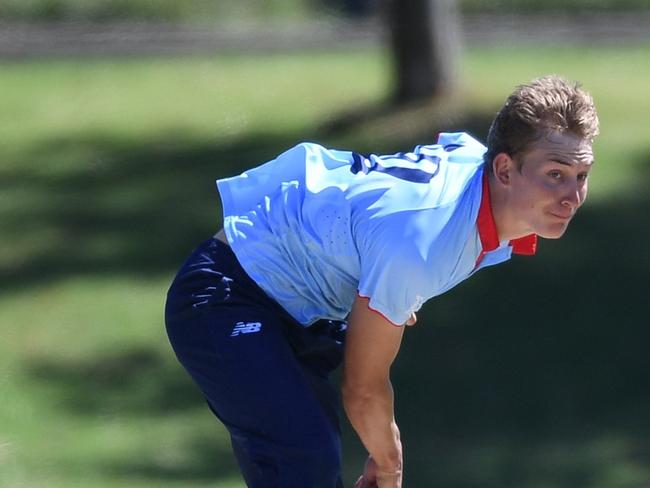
(246, 328)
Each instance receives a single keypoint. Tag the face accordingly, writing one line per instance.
(551, 184)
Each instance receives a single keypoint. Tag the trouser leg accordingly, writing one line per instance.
(275, 400)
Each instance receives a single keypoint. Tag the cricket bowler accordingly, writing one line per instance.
(325, 255)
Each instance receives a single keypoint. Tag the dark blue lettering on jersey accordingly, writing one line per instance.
(365, 165)
(452, 147)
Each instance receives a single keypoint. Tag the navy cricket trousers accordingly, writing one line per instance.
(264, 376)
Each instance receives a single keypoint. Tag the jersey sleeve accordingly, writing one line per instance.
(395, 284)
(242, 193)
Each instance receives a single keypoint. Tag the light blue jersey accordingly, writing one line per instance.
(315, 227)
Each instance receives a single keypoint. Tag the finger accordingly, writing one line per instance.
(363, 482)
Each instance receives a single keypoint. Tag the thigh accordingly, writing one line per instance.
(278, 411)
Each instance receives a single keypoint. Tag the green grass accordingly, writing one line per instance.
(161, 10)
(106, 171)
(269, 10)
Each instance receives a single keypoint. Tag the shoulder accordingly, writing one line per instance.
(315, 154)
(460, 143)
(315, 148)
(461, 163)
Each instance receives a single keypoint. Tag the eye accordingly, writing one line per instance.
(556, 175)
(583, 177)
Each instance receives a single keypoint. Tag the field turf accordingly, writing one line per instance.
(530, 376)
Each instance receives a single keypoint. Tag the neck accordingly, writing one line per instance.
(504, 219)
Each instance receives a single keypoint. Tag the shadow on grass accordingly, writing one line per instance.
(139, 382)
(543, 362)
(535, 373)
(544, 349)
(116, 207)
(130, 210)
(140, 385)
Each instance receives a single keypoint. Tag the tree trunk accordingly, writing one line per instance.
(424, 41)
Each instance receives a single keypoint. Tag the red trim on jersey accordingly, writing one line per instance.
(487, 229)
(377, 311)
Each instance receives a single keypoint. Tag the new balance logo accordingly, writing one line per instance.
(246, 328)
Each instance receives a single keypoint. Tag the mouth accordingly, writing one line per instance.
(564, 218)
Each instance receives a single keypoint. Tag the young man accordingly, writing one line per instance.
(316, 238)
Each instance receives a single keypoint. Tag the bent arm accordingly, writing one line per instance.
(371, 345)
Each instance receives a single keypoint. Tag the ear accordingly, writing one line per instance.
(502, 167)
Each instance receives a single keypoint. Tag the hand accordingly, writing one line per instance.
(373, 477)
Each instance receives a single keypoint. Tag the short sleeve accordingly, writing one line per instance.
(395, 282)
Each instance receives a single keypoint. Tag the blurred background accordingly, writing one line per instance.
(117, 116)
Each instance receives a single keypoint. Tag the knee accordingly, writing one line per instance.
(316, 464)
(322, 463)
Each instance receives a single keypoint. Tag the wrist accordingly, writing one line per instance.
(390, 459)
(389, 463)
(389, 470)
(388, 478)
(396, 473)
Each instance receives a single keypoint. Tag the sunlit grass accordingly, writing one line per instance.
(195, 98)
(65, 420)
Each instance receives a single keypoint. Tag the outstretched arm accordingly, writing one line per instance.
(371, 345)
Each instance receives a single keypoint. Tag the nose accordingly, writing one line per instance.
(573, 197)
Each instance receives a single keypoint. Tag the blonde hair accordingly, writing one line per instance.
(547, 104)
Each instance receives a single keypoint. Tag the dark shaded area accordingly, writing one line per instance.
(139, 209)
(557, 339)
(137, 382)
(544, 349)
(150, 204)
(554, 347)
(424, 44)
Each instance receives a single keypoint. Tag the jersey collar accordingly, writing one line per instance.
(487, 229)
